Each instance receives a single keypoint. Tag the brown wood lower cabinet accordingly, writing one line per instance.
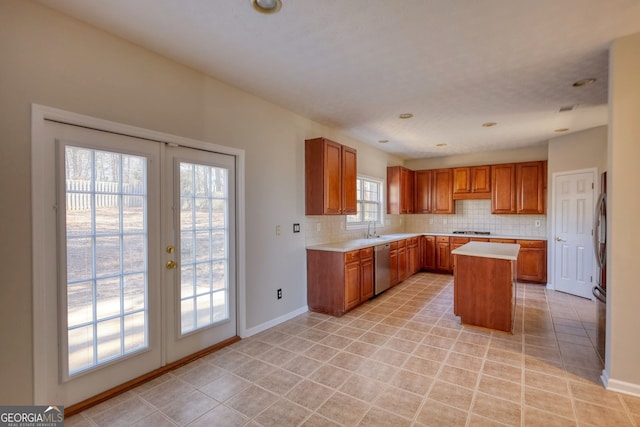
(532, 261)
(339, 281)
(428, 253)
(443, 254)
(402, 260)
(413, 256)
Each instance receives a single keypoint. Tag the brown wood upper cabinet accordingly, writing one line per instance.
(530, 188)
(518, 188)
(442, 192)
(472, 182)
(330, 178)
(424, 183)
(400, 190)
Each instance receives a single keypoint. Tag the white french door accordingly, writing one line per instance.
(140, 263)
(573, 228)
(199, 256)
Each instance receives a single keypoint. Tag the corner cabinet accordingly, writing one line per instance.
(442, 192)
(330, 178)
(400, 190)
(339, 281)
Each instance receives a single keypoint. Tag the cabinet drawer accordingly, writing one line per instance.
(366, 253)
(502, 240)
(442, 239)
(394, 246)
(479, 239)
(459, 240)
(402, 244)
(352, 256)
(532, 243)
(413, 241)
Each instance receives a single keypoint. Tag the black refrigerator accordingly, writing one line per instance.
(600, 246)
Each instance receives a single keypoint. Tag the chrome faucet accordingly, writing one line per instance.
(375, 233)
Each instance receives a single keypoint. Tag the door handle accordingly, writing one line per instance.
(171, 265)
(559, 239)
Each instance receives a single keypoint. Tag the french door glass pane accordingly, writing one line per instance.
(204, 280)
(106, 240)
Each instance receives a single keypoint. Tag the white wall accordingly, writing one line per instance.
(54, 60)
(527, 154)
(623, 178)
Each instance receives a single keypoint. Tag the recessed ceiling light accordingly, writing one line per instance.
(584, 82)
(561, 130)
(488, 124)
(441, 145)
(405, 115)
(266, 6)
(383, 141)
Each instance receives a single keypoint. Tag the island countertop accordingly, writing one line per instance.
(508, 251)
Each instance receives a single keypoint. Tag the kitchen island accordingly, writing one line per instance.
(485, 278)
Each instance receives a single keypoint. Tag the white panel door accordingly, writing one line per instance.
(573, 239)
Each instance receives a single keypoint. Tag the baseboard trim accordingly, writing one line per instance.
(619, 386)
(131, 384)
(274, 322)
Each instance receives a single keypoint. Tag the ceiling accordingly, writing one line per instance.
(357, 65)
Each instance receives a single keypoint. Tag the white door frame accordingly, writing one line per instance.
(42, 236)
(551, 233)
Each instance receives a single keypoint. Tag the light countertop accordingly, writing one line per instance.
(508, 251)
(352, 245)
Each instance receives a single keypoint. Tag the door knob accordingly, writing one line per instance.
(171, 265)
(558, 239)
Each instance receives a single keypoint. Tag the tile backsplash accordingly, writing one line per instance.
(476, 215)
(470, 215)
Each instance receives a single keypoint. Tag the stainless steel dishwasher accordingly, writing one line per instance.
(383, 268)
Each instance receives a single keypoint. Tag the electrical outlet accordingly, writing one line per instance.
(277, 230)
(279, 294)
(537, 223)
(318, 227)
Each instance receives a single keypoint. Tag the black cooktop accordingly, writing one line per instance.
(482, 233)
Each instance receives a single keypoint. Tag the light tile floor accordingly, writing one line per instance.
(402, 359)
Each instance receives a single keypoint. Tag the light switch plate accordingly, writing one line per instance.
(296, 228)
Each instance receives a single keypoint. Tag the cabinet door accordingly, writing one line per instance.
(530, 188)
(402, 263)
(428, 252)
(481, 179)
(443, 256)
(366, 278)
(393, 190)
(349, 177)
(412, 259)
(351, 285)
(407, 181)
(393, 266)
(442, 195)
(332, 177)
(532, 261)
(424, 182)
(503, 190)
(461, 180)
